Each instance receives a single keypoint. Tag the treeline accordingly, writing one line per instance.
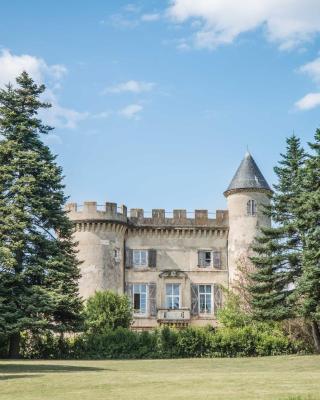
(286, 281)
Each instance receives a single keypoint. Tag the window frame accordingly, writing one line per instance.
(135, 311)
(139, 264)
(251, 208)
(205, 294)
(212, 264)
(172, 295)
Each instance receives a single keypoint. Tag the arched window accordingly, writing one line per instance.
(251, 207)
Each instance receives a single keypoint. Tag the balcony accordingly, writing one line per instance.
(179, 317)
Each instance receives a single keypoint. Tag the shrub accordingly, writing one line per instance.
(107, 310)
(122, 343)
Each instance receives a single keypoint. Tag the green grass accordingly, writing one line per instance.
(283, 378)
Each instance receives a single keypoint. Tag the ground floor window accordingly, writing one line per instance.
(173, 296)
(139, 298)
(205, 299)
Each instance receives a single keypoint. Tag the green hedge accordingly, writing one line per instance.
(165, 343)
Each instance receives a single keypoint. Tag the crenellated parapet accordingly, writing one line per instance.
(178, 218)
(111, 212)
(91, 212)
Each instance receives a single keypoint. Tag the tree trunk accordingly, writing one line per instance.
(316, 335)
(14, 345)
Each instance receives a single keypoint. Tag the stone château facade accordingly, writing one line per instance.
(172, 268)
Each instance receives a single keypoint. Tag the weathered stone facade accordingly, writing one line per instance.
(172, 268)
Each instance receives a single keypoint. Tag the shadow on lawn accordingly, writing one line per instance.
(43, 368)
(8, 377)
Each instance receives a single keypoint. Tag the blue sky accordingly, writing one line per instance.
(155, 102)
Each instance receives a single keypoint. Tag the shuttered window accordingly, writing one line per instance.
(143, 298)
(141, 258)
(205, 299)
(209, 258)
(139, 300)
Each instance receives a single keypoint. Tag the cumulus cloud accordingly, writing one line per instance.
(309, 101)
(12, 65)
(312, 69)
(131, 111)
(286, 22)
(131, 86)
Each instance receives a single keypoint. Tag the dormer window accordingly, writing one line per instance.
(252, 208)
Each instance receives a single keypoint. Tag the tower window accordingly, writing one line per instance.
(251, 208)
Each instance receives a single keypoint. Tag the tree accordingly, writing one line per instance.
(308, 288)
(38, 267)
(278, 249)
(107, 310)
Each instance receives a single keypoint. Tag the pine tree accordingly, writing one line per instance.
(38, 266)
(277, 249)
(308, 288)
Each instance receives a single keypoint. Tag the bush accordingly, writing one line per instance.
(107, 310)
(123, 343)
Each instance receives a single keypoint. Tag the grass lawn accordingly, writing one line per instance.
(286, 377)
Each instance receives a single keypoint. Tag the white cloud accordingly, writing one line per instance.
(286, 22)
(12, 65)
(131, 86)
(309, 101)
(131, 111)
(150, 17)
(312, 69)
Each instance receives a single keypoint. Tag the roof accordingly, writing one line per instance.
(248, 176)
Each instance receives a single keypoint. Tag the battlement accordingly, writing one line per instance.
(91, 211)
(178, 217)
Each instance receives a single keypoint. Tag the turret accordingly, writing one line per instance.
(246, 195)
(99, 232)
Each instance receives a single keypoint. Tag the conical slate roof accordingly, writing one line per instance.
(248, 176)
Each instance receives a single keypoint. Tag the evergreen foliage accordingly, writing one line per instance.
(38, 268)
(308, 289)
(278, 248)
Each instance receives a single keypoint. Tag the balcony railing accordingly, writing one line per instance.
(181, 314)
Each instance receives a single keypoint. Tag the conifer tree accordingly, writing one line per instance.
(308, 288)
(277, 249)
(38, 266)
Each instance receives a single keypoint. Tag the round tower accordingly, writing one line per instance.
(246, 195)
(99, 234)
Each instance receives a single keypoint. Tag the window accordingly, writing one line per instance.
(139, 292)
(140, 258)
(205, 299)
(173, 296)
(208, 258)
(251, 208)
(116, 254)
